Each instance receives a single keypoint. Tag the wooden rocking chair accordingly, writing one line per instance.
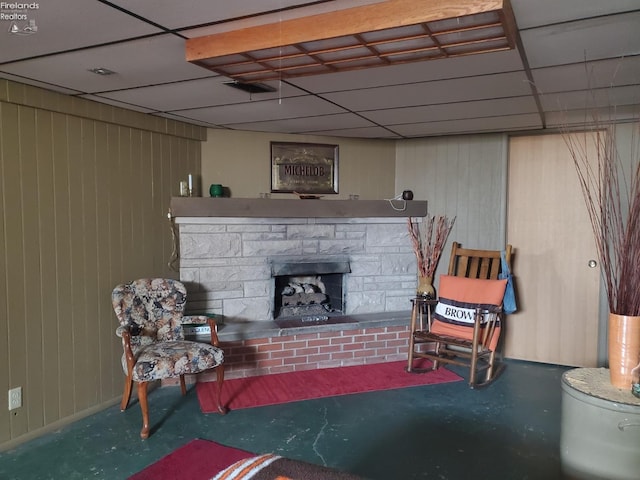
(463, 326)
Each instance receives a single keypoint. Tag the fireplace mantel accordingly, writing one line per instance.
(294, 208)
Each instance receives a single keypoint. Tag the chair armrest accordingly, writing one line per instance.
(214, 331)
(126, 332)
(492, 309)
(483, 331)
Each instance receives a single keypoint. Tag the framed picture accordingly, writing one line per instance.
(305, 168)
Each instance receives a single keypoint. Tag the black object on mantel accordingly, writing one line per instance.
(293, 208)
(407, 195)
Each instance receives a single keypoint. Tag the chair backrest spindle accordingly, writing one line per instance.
(471, 263)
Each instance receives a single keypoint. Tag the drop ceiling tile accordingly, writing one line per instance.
(180, 118)
(582, 76)
(593, 39)
(453, 111)
(449, 68)
(429, 93)
(599, 97)
(370, 132)
(69, 24)
(339, 121)
(543, 12)
(296, 107)
(203, 92)
(152, 60)
(116, 103)
(174, 15)
(474, 125)
(573, 118)
(37, 83)
(267, 10)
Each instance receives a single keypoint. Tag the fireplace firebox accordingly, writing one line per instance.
(309, 292)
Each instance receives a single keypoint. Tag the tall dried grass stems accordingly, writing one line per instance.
(428, 239)
(611, 188)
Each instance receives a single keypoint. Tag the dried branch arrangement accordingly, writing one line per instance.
(428, 239)
(611, 189)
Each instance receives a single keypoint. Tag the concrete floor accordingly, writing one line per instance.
(509, 430)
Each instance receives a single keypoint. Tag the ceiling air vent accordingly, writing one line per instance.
(251, 87)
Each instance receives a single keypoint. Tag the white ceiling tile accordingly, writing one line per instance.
(594, 39)
(452, 111)
(429, 93)
(197, 93)
(38, 83)
(339, 121)
(475, 125)
(534, 13)
(172, 14)
(180, 118)
(147, 61)
(584, 75)
(370, 132)
(598, 97)
(296, 107)
(594, 117)
(116, 103)
(498, 62)
(69, 24)
(241, 10)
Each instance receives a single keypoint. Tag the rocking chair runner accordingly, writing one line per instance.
(150, 314)
(463, 326)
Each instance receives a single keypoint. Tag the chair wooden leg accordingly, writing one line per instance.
(412, 329)
(144, 406)
(219, 381)
(436, 364)
(473, 367)
(411, 350)
(183, 385)
(492, 359)
(126, 394)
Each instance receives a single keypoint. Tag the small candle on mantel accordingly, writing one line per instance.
(190, 184)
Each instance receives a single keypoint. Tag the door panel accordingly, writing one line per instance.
(548, 225)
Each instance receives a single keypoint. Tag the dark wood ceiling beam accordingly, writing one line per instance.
(351, 21)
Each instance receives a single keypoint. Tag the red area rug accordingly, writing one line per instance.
(308, 384)
(198, 459)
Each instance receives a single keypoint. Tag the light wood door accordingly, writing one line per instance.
(548, 225)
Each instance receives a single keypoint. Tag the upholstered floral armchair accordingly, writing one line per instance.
(150, 312)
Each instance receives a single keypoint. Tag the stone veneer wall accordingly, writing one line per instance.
(226, 261)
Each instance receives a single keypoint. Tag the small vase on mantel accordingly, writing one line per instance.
(624, 348)
(425, 287)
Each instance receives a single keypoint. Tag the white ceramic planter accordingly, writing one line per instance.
(600, 436)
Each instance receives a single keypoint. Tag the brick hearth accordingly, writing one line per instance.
(307, 351)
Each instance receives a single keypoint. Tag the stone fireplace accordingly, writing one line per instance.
(236, 253)
(230, 263)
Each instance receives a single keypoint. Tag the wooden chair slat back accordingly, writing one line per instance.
(472, 263)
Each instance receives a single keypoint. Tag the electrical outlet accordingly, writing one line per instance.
(15, 398)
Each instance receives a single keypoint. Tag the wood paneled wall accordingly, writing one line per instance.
(462, 176)
(84, 191)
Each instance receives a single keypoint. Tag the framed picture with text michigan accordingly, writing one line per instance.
(304, 168)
